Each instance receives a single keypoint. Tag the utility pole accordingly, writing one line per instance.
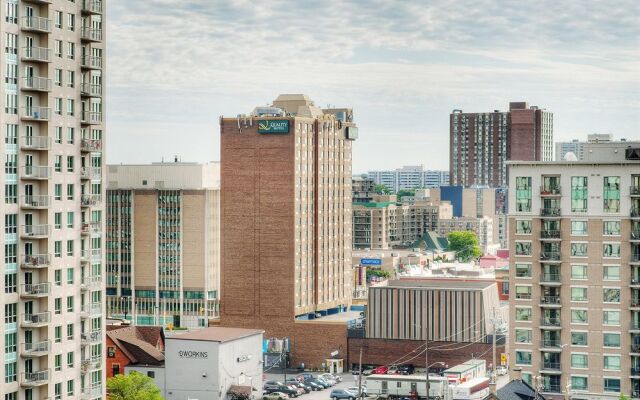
(284, 358)
(360, 376)
(493, 374)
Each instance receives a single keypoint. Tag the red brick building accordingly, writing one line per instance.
(127, 345)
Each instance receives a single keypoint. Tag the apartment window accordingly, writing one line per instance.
(57, 390)
(523, 292)
(12, 13)
(611, 228)
(57, 18)
(611, 339)
(11, 396)
(579, 338)
(579, 250)
(10, 369)
(11, 193)
(58, 334)
(57, 106)
(70, 275)
(579, 316)
(58, 277)
(70, 219)
(579, 194)
(11, 134)
(523, 336)
(611, 317)
(611, 250)
(11, 164)
(523, 248)
(612, 363)
(579, 360)
(71, 22)
(70, 326)
(70, 302)
(57, 77)
(579, 272)
(11, 76)
(578, 294)
(523, 357)
(57, 164)
(70, 135)
(57, 48)
(70, 388)
(70, 162)
(10, 224)
(523, 194)
(611, 272)
(69, 248)
(10, 253)
(523, 270)
(523, 314)
(10, 313)
(579, 228)
(612, 385)
(611, 295)
(523, 227)
(115, 368)
(70, 191)
(611, 194)
(71, 106)
(11, 105)
(10, 282)
(70, 358)
(10, 342)
(58, 191)
(71, 50)
(57, 218)
(58, 134)
(58, 305)
(71, 79)
(58, 362)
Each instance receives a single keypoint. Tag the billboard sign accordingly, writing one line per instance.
(370, 261)
(273, 126)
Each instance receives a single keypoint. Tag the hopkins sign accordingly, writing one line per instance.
(370, 261)
(192, 354)
(273, 126)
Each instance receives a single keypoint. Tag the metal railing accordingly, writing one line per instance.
(92, 6)
(35, 172)
(634, 190)
(551, 343)
(87, 200)
(36, 113)
(33, 53)
(635, 235)
(91, 34)
(34, 23)
(550, 255)
(91, 337)
(635, 302)
(88, 282)
(635, 348)
(550, 365)
(35, 378)
(91, 309)
(635, 212)
(550, 300)
(550, 234)
(91, 117)
(550, 212)
(550, 277)
(91, 145)
(92, 62)
(550, 321)
(36, 348)
(35, 230)
(35, 142)
(39, 201)
(36, 319)
(35, 260)
(36, 83)
(91, 392)
(551, 388)
(91, 172)
(35, 289)
(550, 190)
(91, 89)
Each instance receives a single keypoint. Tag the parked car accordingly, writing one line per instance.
(291, 392)
(406, 369)
(272, 383)
(337, 394)
(392, 371)
(275, 396)
(381, 370)
(501, 370)
(297, 383)
(315, 385)
(354, 389)
(321, 382)
(305, 376)
(368, 371)
(327, 381)
(329, 376)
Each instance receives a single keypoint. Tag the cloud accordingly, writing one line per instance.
(402, 65)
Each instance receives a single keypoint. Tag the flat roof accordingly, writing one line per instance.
(217, 334)
(339, 318)
(437, 284)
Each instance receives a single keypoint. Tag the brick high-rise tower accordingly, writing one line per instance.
(286, 223)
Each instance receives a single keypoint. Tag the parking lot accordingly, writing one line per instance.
(347, 381)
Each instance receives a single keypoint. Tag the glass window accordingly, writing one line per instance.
(612, 363)
(523, 336)
(58, 334)
(578, 227)
(523, 292)
(610, 295)
(611, 250)
(578, 272)
(579, 250)
(578, 294)
(523, 357)
(579, 316)
(523, 314)
(579, 361)
(611, 339)
(579, 338)
(611, 317)
(579, 383)
(611, 194)
(579, 194)
(611, 228)
(10, 372)
(523, 248)
(523, 270)
(611, 272)
(523, 194)
(523, 227)
(58, 276)
(612, 385)
(58, 305)
(58, 362)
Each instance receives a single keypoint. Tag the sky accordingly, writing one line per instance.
(175, 67)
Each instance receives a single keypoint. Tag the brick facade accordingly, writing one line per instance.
(118, 358)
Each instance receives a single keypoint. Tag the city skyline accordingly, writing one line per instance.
(425, 62)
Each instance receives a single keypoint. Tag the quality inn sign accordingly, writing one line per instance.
(273, 126)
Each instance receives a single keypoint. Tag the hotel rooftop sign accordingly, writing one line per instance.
(273, 126)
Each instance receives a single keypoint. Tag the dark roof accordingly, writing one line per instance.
(438, 283)
(217, 334)
(138, 343)
(518, 390)
(433, 242)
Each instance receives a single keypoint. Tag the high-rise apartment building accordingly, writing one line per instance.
(575, 266)
(591, 149)
(163, 243)
(481, 143)
(53, 123)
(409, 177)
(363, 189)
(286, 223)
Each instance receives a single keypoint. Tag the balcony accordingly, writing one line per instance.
(550, 366)
(551, 344)
(635, 212)
(634, 236)
(40, 1)
(634, 258)
(634, 191)
(634, 327)
(549, 234)
(33, 379)
(89, 34)
(550, 256)
(35, 349)
(551, 388)
(91, 337)
(88, 393)
(31, 172)
(36, 84)
(635, 371)
(35, 231)
(91, 117)
(91, 363)
(35, 290)
(550, 301)
(550, 322)
(36, 54)
(634, 303)
(93, 173)
(90, 200)
(35, 261)
(35, 24)
(35, 143)
(35, 320)
(91, 90)
(91, 310)
(635, 348)
(35, 113)
(634, 281)
(91, 145)
(92, 6)
(550, 279)
(548, 191)
(35, 202)
(91, 62)
(90, 282)
(550, 212)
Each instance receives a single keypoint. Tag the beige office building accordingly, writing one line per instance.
(52, 120)
(574, 236)
(163, 243)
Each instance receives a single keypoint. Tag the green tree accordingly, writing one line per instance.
(382, 189)
(133, 386)
(623, 397)
(379, 273)
(406, 192)
(465, 245)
